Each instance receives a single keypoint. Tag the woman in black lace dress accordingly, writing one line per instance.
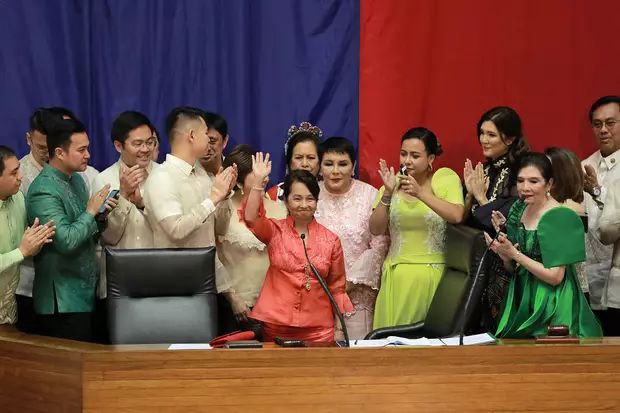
(491, 186)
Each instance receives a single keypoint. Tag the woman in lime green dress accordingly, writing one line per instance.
(413, 208)
(544, 241)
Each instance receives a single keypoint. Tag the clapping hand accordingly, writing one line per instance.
(410, 186)
(223, 183)
(476, 182)
(35, 237)
(498, 221)
(590, 179)
(388, 176)
(502, 246)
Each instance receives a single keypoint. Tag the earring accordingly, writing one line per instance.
(548, 193)
(430, 167)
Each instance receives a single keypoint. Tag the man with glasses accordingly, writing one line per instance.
(600, 172)
(132, 136)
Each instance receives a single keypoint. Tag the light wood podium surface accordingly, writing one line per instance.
(41, 374)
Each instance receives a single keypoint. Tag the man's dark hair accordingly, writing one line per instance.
(181, 112)
(42, 119)
(217, 122)
(59, 136)
(5, 153)
(602, 101)
(126, 122)
(304, 177)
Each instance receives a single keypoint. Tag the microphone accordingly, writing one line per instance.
(332, 300)
(470, 295)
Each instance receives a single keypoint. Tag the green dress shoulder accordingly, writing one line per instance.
(532, 305)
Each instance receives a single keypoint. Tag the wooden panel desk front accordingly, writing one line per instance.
(48, 375)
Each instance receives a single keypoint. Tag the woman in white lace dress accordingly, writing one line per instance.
(344, 207)
(242, 254)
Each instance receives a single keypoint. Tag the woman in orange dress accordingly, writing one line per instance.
(292, 303)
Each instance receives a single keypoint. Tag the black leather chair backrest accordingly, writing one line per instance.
(464, 249)
(161, 295)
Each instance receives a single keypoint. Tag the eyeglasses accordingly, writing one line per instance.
(609, 123)
(138, 144)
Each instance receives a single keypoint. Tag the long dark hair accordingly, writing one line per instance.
(508, 123)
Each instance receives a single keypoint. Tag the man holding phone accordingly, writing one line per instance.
(132, 136)
(66, 271)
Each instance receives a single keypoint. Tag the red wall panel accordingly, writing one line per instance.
(441, 64)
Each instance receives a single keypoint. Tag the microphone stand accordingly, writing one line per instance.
(470, 295)
(329, 294)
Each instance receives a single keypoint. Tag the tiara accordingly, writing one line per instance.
(303, 127)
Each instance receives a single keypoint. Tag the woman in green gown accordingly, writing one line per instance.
(544, 242)
(413, 208)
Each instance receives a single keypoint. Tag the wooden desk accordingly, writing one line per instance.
(41, 374)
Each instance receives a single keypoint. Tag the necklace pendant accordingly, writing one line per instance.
(308, 285)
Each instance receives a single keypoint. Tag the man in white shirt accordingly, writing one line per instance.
(132, 136)
(30, 166)
(184, 206)
(601, 170)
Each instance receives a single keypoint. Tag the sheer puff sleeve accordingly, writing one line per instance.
(336, 280)
(561, 237)
(263, 228)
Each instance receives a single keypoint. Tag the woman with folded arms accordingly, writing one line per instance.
(544, 240)
(414, 209)
(344, 206)
(292, 303)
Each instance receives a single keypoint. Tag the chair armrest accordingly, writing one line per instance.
(414, 330)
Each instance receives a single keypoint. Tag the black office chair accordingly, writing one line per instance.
(161, 295)
(464, 249)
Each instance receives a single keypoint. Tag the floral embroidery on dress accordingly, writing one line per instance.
(395, 225)
(244, 239)
(436, 238)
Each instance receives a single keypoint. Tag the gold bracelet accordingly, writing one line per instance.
(258, 188)
(383, 203)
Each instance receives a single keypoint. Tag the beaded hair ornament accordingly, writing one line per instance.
(303, 127)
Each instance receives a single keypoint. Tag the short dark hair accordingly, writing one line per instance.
(304, 177)
(179, 112)
(602, 101)
(337, 144)
(126, 122)
(217, 122)
(241, 155)
(299, 137)
(42, 118)
(428, 138)
(59, 136)
(539, 161)
(567, 175)
(508, 123)
(5, 153)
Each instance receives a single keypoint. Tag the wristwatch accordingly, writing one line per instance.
(596, 191)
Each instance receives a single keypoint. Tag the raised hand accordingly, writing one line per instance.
(35, 237)
(261, 167)
(479, 184)
(388, 177)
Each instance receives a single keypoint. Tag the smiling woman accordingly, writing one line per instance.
(544, 241)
